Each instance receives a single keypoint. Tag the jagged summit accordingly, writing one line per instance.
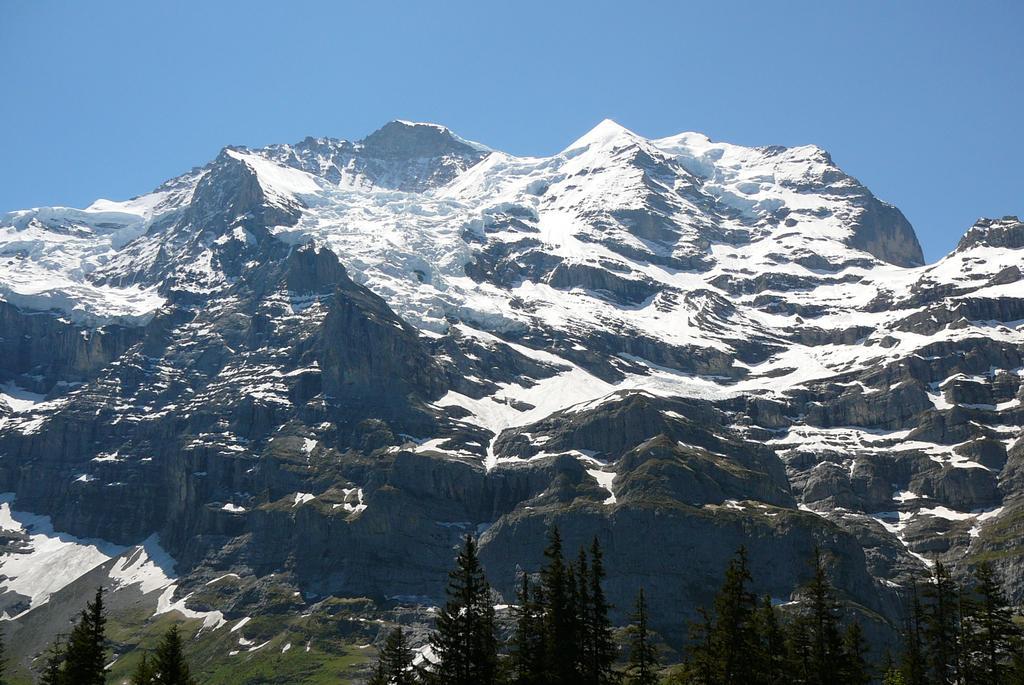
(606, 132)
(445, 131)
(408, 140)
(682, 202)
(1007, 232)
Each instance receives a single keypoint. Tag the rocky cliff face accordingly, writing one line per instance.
(316, 366)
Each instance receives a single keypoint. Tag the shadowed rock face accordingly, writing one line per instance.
(312, 271)
(40, 351)
(883, 231)
(601, 340)
(404, 141)
(370, 355)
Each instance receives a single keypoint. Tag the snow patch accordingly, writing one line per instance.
(49, 560)
(302, 498)
(605, 480)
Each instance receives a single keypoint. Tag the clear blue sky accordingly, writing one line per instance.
(923, 101)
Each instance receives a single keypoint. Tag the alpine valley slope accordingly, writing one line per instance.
(302, 372)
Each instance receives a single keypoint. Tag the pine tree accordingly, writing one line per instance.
(913, 667)
(856, 670)
(465, 641)
(527, 648)
(941, 626)
(799, 649)
(964, 672)
(558, 616)
(733, 639)
(144, 673)
(643, 659)
(772, 656)
(3, 659)
(169, 661)
(394, 663)
(53, 670)
(602, 650)
(574, 613)
(826, 651)
(989, 631)
(85, 656)
(726, 645)
(584, 620)
(700, 658)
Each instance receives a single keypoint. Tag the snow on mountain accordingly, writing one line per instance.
(18, 399)
(48, 253)
(694, 244)
(279, 182)
(41, 561)
(393, 234)
(688, 242)
(623, 322)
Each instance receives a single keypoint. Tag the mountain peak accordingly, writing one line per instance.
(1007, 233)
(410, 139)
(602, 134)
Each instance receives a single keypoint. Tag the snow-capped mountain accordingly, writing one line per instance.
(328, 360)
